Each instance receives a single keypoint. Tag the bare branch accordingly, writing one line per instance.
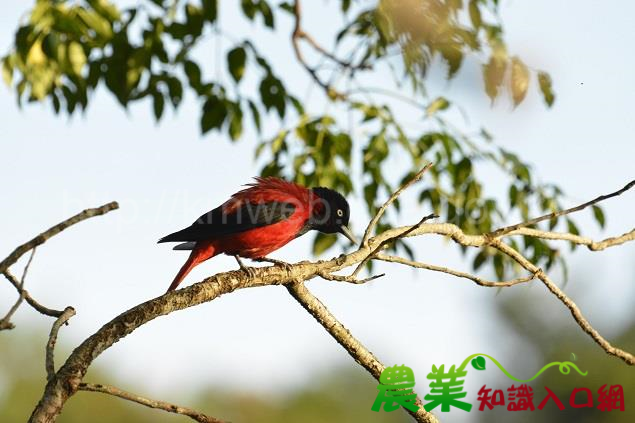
(371, 225)
(5, 323)
(573, 308)
(507, 229)
(576, 239)
(44, 236)
(161, 405)
(350, 278)
(30, 300)
(299, 34)
(343, 337)
(474, 278)
(50, 345)
(381, 245)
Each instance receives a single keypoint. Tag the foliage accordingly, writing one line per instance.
(67, 49)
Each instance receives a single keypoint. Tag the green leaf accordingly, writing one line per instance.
(599, 216)
(478, 363)
(323, 242)
(249, 9)
(440, 103)
(267, 14)
(158, 104)
(273, 94)
(7, 70)
(544, 80)
(175, 90)
(210, 10)
(479, 260)
(76, 57)
(214, 114)
(454, 58)
(236, 59)
(193, 73)
(235, 121)
(493, 75)
(255, 115)
(475, 13)
(572, 228)
(519, 82)
(499, 267)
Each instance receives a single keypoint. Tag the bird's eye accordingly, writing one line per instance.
(340, 212)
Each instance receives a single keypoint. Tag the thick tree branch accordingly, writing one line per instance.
(343, 337)
(161, 405)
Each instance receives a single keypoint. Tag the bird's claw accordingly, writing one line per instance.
(250, 271)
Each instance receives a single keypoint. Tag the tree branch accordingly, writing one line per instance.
(299, 34)
(161, 405)
(373, 222)
(343, 337)
(30, 300)
(459, 274)
(568, 302)
(576, 239)
(507, 229)
(44, 236)
(50, 345)
(5, 323)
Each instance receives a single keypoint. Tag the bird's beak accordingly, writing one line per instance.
(348, 234)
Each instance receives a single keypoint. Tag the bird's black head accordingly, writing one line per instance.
(330, 213)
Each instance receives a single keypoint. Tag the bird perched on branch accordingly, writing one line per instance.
(260, 219)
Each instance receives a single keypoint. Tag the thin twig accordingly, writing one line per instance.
(298, 34)
(161, 405)
(391, 199)
(343, 337)
(44, 236)
(29, 299)
(350, 278)
(381, 245)
(5, 323)
(457, 273)
(50, 345)
(507, 229)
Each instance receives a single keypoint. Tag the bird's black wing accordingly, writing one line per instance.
(248, 216)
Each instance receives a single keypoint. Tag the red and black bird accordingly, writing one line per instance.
(260, 219)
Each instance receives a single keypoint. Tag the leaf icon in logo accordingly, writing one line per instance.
(478, 363)
(573, 357)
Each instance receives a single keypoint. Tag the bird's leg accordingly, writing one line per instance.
(275, 262)
(249, 270)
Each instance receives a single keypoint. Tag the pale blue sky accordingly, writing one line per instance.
(166, 175)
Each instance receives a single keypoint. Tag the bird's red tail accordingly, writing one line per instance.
(199, 254)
